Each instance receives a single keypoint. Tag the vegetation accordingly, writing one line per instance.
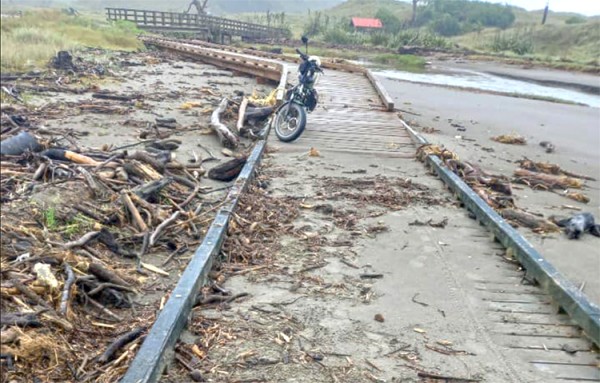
(33, 39)
(450, 18)
(405, 62)
(518, 41)
(50, 218)
(576, 20)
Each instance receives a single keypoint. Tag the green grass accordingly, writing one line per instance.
(404, 62)
(30, 41)
(553, 43)
(50, 218)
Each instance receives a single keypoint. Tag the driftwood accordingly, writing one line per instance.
(67, 155)
(81, 241)
(227, 138)
(242, 113)
(258, 113)
(135, 214)
(116, 97)
(531, 221)
(66, 295)
(103, 274)
(227, 171)
(119, 343)
(19, 319)
(154, 237)
(139, 170)
(151, 189)
(549, 168)
(156, 164)
(547, 181)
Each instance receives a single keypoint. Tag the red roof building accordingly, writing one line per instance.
(366, 23)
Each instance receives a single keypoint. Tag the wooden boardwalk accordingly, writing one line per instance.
(204, 24)
(350, 117)
(354, 116)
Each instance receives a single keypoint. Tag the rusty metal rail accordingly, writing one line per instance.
(170, 21)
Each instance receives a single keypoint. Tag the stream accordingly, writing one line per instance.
(470, 79)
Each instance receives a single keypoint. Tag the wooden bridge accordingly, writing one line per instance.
(217, 27)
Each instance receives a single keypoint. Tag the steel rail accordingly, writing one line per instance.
(151, 359)
(565, 294)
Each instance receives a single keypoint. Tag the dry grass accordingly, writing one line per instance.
(30, 41)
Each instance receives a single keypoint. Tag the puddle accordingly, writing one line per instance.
(476, 80)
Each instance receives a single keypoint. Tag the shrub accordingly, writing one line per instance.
(446, 25)
(339, 36)
(391, 23)
(416, 38)
(379, 38)
(398, 61)
(576, 20)
(518, 42)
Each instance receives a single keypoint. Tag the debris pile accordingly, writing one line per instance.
(77, 231)
(495, 190)
(513, 139)
(87, 231)
(548, 176)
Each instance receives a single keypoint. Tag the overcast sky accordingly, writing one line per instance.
(586, 7)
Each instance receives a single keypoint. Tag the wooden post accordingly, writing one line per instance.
(546, 12)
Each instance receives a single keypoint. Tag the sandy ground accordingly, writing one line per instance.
(575, 130)
(441, 305)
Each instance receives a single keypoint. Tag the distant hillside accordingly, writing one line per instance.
(218, 7)
(368, 8)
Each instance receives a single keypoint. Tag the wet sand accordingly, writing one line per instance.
(574, 130)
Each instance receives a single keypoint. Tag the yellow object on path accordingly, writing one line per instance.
(270, 100)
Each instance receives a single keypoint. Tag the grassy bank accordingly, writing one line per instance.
(30, 41)
(553, 43)
(404, 62)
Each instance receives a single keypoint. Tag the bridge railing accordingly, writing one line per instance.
(172, 20)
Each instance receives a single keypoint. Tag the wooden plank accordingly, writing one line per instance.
(387, 100)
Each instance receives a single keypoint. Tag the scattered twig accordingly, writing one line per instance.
(161, 227)
(313, 267)
(414, 299)
(81, 241)
(423, 374)
(371, 276)
(348, 263)
(66, 295)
